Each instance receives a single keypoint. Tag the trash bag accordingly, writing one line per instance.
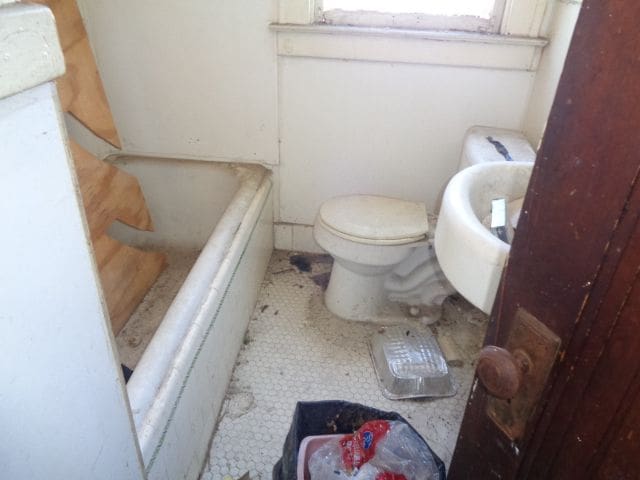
(331, 417)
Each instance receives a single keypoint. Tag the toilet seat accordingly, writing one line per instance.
(375, 220)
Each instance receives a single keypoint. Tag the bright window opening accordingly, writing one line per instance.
(475, 8)
(469, 15)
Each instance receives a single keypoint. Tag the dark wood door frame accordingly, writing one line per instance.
(575, 265)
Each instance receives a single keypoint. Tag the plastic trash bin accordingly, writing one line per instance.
(328, 418)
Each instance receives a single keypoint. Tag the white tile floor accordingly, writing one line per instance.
(296, 350)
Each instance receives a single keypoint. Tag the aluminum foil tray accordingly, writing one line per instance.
(409, 364)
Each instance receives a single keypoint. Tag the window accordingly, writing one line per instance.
(498, 34)
(469, 15)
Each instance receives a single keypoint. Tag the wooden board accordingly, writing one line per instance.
(109, 194)
(126, 274)
(80, 89)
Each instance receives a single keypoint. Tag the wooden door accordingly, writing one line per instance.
(574, 267)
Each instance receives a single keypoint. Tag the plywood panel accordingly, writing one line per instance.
(126, 274)
(81, 91)
(109, 194)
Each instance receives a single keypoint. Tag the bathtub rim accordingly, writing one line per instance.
(156, 382)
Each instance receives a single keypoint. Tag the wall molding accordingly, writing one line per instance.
(409, 46)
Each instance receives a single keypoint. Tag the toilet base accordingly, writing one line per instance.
(356, 296)
(418, 280)
(380, 294)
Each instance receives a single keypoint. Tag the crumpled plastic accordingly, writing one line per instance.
(379, 450)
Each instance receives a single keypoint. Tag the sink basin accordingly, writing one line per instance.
(470, 256)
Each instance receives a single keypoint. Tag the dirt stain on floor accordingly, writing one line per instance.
(301, 262)
(318, 265)
(321, 279)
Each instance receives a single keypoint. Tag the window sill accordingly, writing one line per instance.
(409, 46)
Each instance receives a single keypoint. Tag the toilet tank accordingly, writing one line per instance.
(488, 144)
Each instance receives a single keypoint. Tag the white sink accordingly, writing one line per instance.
(471, 257)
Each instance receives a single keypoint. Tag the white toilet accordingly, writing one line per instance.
(381, 246)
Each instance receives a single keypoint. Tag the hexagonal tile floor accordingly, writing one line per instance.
(296, 350)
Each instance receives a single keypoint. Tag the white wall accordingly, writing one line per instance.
(560, 30)
(203, 79)
(192, 79)
(391, 129)
(63, 407)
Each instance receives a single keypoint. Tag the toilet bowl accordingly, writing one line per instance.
(367, 236)
(382, 247)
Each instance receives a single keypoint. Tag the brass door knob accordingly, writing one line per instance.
(501, 372)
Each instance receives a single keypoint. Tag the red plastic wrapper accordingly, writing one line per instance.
(390, 476)
(359, 448)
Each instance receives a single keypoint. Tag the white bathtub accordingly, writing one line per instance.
(179, 384)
